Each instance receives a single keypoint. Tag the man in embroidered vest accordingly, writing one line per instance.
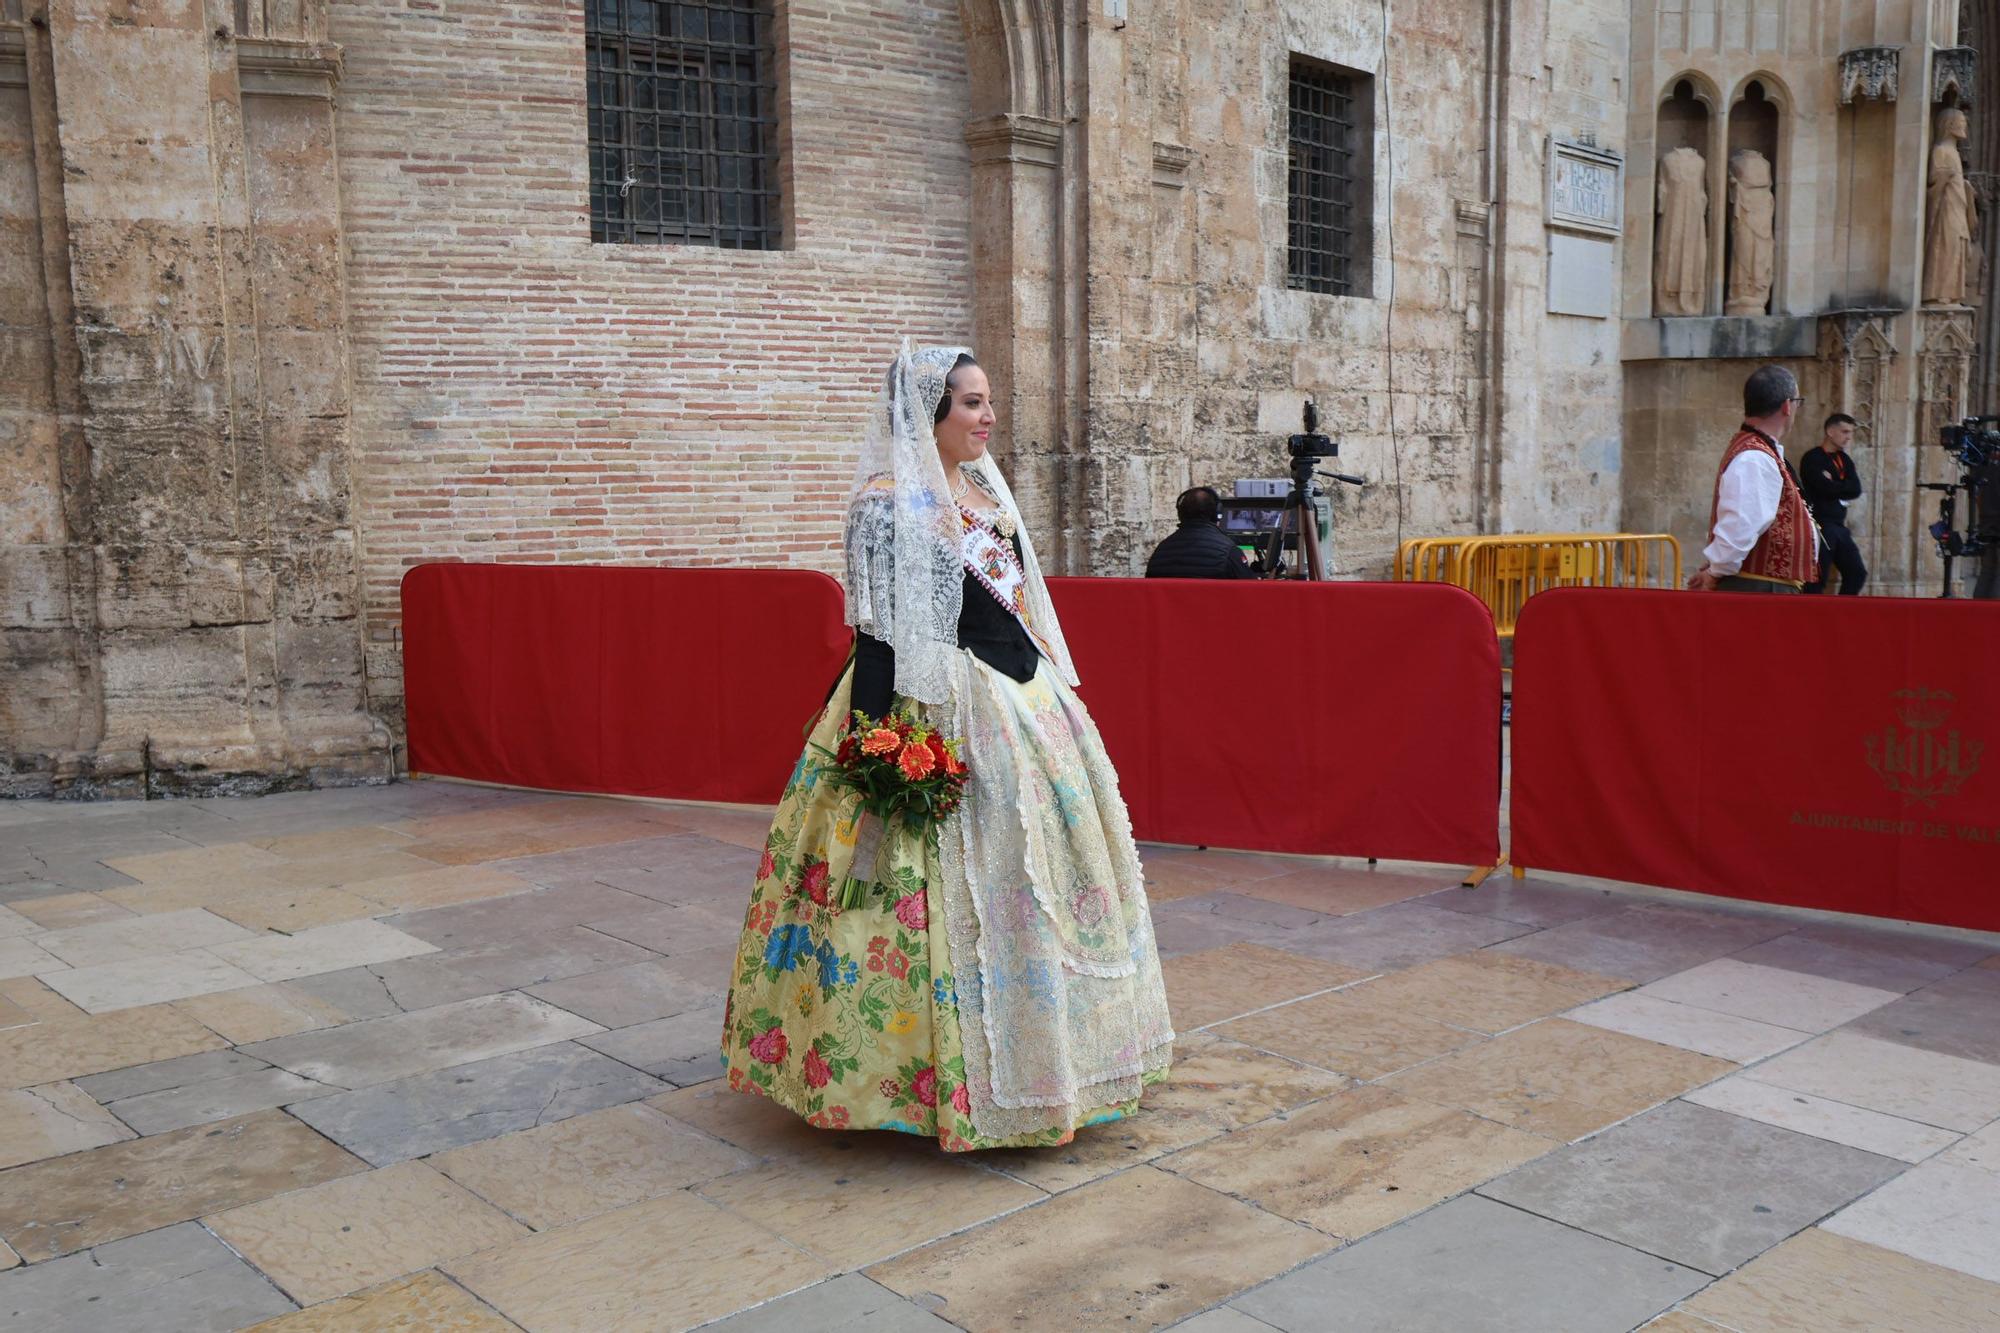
(1761, 536)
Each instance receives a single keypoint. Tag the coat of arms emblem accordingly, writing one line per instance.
(1919, 758)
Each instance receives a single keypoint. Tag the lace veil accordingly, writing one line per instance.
(905, 573)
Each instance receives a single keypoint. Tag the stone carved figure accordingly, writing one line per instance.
(1752, 233)
(1949, 215)
(1680, 242)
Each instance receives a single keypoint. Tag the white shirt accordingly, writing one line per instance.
(1746, 504)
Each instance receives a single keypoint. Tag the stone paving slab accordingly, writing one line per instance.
(72, 1203)
(1242, 908)
(1945, 1213)
(443, 886)
(852, 1209)
(849, 1303)
(322, 949)
(1861, 962)
(1821, 1281)
(1335, 890)
(133, 982)
(1215, 985)
(1338, 1033)
(345, 1235)
(1724, 1036)
(1646, 942)
(1401, 935)
(1358, 1162)
(589, 1164)
(1959, 1015)
(220, 1099)
(293, 910)
(12, 923)
(685, 870)
(449, 1108)
(621, 997)
(60, 1048)
(683, 1049)
(1217, 1086)
(161, 1075)
(1474, 1264)
(426, 1302)
(530, 961)
(176, 1280)
(260, 1012)
(1177, 934)
(1773, 995)
(381, 1050)
(58, 911)
(1886, 1076)
(1836, 1122)
(667, 1264)
(1140, 1249)
(1559, 1079)
(24, 958)
(1485, 991)
(50, 1121)
(1529, 902)
(1692, 1185)
(484, 922)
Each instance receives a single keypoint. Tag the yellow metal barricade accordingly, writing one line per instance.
(1504, 572)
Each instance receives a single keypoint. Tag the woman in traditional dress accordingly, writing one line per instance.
(1000, 987)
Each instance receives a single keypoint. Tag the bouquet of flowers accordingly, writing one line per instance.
(903, 770)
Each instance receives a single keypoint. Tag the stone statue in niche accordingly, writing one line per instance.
(1752, 233)
(1949, 214)
(1680, 243)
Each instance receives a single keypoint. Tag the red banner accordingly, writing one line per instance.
(1823, 752)
(1356, 719)
(690, 684)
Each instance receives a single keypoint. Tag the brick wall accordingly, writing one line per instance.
(521, 394)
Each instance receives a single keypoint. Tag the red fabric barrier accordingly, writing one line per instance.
(692, 684)
(1823, 752)
(1358, 719)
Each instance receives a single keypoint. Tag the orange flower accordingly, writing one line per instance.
(882, 740)
(916, 761)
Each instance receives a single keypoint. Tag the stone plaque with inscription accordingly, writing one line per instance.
(1586, 189)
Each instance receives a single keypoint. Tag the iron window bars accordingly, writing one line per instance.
(1326, 213)
(683, 123)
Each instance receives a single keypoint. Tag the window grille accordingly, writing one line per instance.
(1329, 197)
(683, 123)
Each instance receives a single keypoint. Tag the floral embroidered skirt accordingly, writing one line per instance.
(854, 1018)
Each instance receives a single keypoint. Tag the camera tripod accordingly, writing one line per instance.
(1300, 519)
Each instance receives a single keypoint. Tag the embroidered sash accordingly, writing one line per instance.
(992, 561)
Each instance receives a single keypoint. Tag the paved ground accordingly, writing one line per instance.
(441, 1057)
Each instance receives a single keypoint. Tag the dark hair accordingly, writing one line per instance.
(1767, 390)
(944, 403)
(1839, 419)
(1198, 504)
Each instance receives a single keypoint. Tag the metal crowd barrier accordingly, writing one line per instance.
(1504, 572)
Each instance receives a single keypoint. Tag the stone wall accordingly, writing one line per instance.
(180, 594)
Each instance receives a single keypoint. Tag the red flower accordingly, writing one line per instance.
(924, 1086)
(916, 761)
(890, 1088)
(844, 756)
(767, 865)
(939, 752)
(816, 1070)
(770, 1047)
(961, 1100)
(951, 764)
(814, 883)
(899, 964)
(904, 730)
(910, 910)
(882, 740)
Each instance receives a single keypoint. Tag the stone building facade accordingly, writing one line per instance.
(297, 294)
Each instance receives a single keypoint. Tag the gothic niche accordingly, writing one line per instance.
(1680, 233)
(1864, 212)
(1750, 245)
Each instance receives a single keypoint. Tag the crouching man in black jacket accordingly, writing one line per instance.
(1198, 548)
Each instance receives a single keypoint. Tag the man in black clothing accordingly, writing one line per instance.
(1198, 548)
(1829, 480)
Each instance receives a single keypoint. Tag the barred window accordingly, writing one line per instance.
(683, 123)
(1331, 187)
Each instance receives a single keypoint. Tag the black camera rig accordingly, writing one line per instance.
(1298, 526)
(1974, 444)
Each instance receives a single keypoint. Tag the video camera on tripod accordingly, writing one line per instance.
(1297, 526)
(1974, 444)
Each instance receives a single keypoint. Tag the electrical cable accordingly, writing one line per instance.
(1383, 99)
